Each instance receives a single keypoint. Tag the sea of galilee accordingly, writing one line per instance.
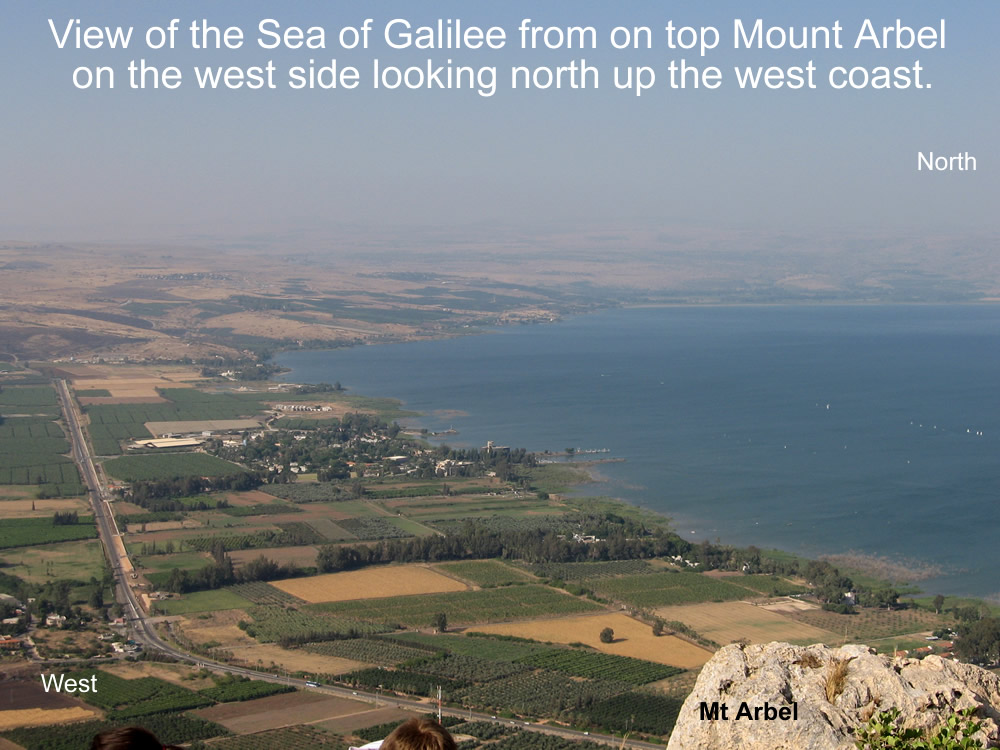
(813, 429)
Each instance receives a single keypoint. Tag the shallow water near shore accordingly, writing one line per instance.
(812, 429)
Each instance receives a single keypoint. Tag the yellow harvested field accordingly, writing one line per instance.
(725, 622)
(137, 387)
(632, 638)
(297, 660)
(370, 583)
(29, 508)
(34, 717)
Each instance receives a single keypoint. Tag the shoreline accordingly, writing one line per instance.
(873, 562)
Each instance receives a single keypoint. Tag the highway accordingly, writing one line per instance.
(145, 632)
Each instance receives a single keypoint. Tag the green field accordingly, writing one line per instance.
(33, 400)
(461, 606)
(583, 571)
(169, 466)
(68, 560)
(486, 572)
(597, 665)
(662, 589)
(273, 623)
(32, 452)
(380, 651)
(203, 601)
(285, 738)
(484, 648)
(28, 532)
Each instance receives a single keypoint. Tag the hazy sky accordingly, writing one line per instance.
(127, 164)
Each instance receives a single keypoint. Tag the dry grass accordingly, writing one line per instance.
(835, 679)
(632, 638)
(280, 711)
(809, 660)
(34, 717)
(726, 622)
(370, 583)
(23, 508)
(302, 556)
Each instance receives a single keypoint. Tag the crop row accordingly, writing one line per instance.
(470, 669)
(663, 589)
(369, 650)
(62, 472)
(581, 571)
(140, 697)
(596, 665)
(485, 572)
(266, 509)
(307, 493)
(273, 624)
(30, 398)
(28, 427)
(244, 690)
(462, 606)
(170, 466)
(171, 728)
(372, 528)
(33, 451)
(28, 532)
(259, 592)
(541, 694)
(285, 738)
(404, 681)
(496, 649)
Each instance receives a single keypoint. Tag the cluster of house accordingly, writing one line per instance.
(301, 407)
(944, 649)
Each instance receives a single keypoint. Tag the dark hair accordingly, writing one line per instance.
(419, 734)
(128, 738)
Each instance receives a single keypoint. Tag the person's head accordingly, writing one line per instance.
(127, 738)
(419, 734)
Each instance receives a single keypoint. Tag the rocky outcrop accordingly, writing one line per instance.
(777, 696)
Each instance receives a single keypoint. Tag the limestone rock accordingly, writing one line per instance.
(779, 675)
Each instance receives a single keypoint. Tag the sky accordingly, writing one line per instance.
(159, 165)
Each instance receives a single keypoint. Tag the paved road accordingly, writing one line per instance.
(146, 634)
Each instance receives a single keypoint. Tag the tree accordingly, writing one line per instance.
(658, 627)
(440, 622)
(607, 635)
(938, 604)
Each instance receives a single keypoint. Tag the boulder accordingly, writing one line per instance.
(776, 696)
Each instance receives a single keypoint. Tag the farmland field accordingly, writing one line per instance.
(68, 560)
(632, 638)
(462, 606)
(602, 666)
(870, 624)
(486, 572)
(203, 601)
(279, 710)
(486, 648)
(259, 592)
(169, 466)
(272, 623)
(369, 583)
(585, 570)
(283, 738)
(380, 651)
(28, 532)
(32, 400)
(662, 589)
(24, 508)
(725, 622)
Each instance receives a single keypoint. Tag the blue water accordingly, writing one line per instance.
(811, 429)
